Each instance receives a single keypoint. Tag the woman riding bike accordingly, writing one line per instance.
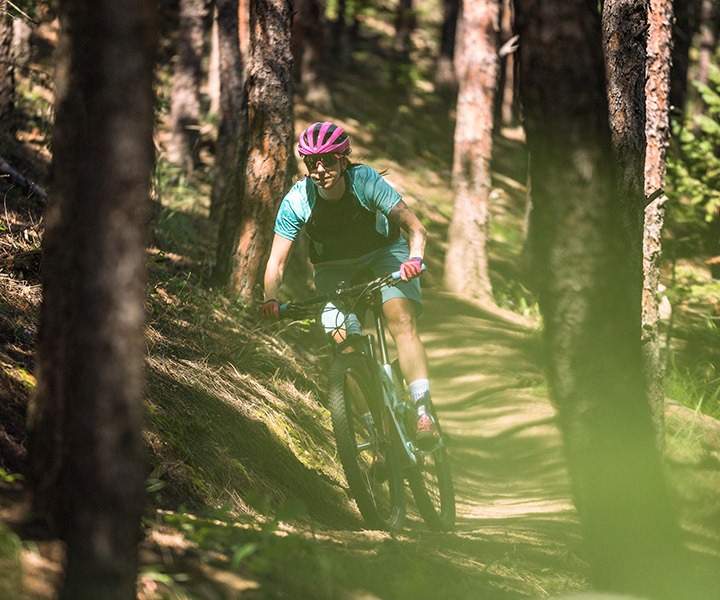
(355, 222)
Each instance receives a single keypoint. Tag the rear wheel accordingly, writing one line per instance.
(363, 435)
(430, 479)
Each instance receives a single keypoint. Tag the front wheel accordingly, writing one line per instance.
(362, 431)
(430, 479)
(432, 486)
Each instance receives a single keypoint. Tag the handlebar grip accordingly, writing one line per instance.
(396, 275)
(283, 308)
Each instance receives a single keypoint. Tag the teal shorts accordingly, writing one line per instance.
(379, 262)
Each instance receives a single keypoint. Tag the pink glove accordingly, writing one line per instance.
(270, 310)
(411, 268)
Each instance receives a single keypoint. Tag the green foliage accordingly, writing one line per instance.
(694, 172)
(9, 477)
(258, 547)
(697, 388)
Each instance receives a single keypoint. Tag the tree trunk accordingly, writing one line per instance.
(308, 45)
(213, 76)
(7, 79)
(466, 262)
(707, 42)
(445, 77)
(657, 133)
(591, 323)
(232, 122)
(685, 24)
(270, 127)
(244, 26)
(183, 148)
(341, 32)
(624, 25)
(86, 447)
(405, 22)
(507, 109)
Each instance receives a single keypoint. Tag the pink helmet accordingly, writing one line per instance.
(320, 138)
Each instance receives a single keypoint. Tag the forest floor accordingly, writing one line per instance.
(246, 497)
(517, 536)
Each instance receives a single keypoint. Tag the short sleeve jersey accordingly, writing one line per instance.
(368, 195)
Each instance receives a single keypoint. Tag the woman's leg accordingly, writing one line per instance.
(400, 318)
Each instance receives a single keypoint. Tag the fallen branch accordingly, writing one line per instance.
(19, 179)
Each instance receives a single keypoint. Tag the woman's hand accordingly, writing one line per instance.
(270, 310)
(411, 268)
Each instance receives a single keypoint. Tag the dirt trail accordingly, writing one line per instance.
(505, 445)
(517, 534)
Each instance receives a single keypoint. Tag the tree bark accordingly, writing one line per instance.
(507, 109)
(624, 27)
(445, 77)
(405, 23)
(232, 124)
(707, 43)
(270, 129)
(586, 289)
(213, 75)
(7, 79)
(466, 262)
(685, 24)
(657, 133)
(183, 148)
(308, 46)
(86, 447)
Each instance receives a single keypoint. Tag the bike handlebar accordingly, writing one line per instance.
(291, 309)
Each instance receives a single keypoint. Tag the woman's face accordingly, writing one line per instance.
(325, 170)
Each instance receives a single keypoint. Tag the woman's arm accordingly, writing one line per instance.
(411, 225)
(275, 268)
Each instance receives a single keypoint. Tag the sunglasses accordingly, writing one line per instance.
(328, 160)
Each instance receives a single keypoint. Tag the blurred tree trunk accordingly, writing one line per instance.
(685, 24)
(213, 75)
(507, 113)
(657, 134)
(247, 229)
(466, 262)
(86, 470)
(340, 29)
(344, 36)
(244, 26)
(7, 77)
(184, 145)
(445, 77)
(232, 121)
(707, 43)
(405, 22)
(308, 48)
(586, 289)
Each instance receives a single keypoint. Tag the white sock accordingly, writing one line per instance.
(417, 389)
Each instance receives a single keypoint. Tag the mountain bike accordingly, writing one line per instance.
(373, 417)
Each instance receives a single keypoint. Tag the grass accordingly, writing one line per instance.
(693, 366)
(244, 485)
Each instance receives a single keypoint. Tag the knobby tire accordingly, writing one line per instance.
(377, 487)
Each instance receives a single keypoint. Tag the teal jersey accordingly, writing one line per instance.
(367, 185)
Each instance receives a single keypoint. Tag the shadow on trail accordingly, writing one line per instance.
(508, 466)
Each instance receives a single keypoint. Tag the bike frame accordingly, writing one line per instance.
(379, 366)
(381, 369)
